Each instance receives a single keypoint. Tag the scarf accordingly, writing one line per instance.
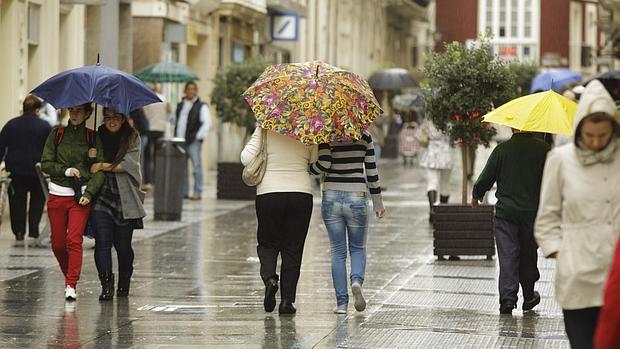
(589, 157)
(111, 143)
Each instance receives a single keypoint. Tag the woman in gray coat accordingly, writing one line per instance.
(117, 210)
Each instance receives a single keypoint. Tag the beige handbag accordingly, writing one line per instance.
(254, 172)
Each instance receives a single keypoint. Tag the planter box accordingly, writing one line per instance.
(460, 230)
(229, 183)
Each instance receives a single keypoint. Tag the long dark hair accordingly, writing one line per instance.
(128, 136)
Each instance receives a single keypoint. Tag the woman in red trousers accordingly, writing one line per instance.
(72, 187)
(608, 329)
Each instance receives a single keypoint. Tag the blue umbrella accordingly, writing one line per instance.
(97, 83)
(554, 79)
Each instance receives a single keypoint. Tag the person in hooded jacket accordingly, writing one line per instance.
(578, 220)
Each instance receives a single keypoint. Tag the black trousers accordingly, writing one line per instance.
(580, 325)
(149, 156)
(283, 220)
(18, 197)
(108, 234)
(516, 249)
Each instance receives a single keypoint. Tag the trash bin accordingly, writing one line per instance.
(170, 167)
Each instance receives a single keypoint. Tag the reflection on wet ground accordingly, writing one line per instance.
(197, 285)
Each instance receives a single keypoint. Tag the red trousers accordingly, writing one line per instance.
(67, 223)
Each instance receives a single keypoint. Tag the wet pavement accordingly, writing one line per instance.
(196, 284)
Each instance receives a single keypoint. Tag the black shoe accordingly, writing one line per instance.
(530, 304)
(443, 199)
(286, 307)
(271, 287)
(123, 285)
(506, 307)
(19, 239)
(107, 286)
(454, 258)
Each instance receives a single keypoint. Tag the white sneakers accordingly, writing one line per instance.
(70, 293)
(341, 309)
(360, 302)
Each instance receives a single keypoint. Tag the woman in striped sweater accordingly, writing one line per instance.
(351, 172)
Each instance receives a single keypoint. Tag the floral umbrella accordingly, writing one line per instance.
(313, 102)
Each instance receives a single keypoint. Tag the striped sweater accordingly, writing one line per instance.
(350, 166)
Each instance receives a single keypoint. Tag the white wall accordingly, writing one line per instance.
(24, 66)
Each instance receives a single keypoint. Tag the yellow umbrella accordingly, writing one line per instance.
(539, 112)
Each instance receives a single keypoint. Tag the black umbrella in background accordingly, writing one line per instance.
(611, 81)
(392, 79)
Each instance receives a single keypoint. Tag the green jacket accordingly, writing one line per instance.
(517, 167)
(72, 152)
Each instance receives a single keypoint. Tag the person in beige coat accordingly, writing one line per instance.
(578, 221)
(283, 208)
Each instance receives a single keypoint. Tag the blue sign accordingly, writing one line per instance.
(284, 26)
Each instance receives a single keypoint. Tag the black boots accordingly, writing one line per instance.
(443, 199)
(432, 198)
(271, 287)
(107, 286)
(286, 307)
(123, 285)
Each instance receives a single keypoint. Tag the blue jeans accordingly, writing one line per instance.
(193, 152)
(346, 216)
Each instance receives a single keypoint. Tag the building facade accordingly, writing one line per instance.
(551, 33)
(43, 37)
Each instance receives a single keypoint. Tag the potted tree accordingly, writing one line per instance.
(464, 83)
(237, 125)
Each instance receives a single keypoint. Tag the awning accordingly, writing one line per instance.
(409, 9)
(90, 2)
(287, 6)
(84, 2)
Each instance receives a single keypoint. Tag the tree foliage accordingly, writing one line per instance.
(464, 83)
(230, 83)
(524, 73)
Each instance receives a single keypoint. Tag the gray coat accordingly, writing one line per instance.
(129, 182)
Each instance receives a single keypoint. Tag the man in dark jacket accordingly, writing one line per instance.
(192, 122)
(517, 167)
(21, 145)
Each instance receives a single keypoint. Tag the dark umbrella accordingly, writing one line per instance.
(97, 83)
(167, 72)
(392, 79)
(611, 81)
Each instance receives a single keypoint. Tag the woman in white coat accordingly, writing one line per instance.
(578, 220)
(283, 209)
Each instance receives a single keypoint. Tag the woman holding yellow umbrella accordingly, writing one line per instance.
(517, 167)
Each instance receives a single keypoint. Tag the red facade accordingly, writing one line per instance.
(456, 21)
(554, 28)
